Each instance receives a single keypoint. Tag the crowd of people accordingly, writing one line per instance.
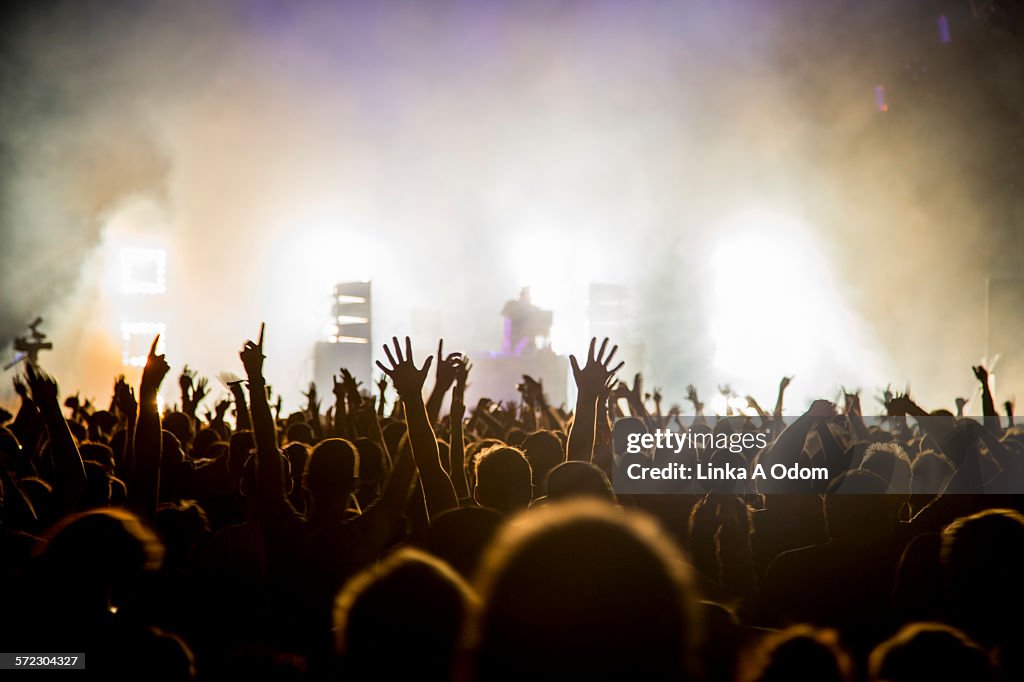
(222, 537)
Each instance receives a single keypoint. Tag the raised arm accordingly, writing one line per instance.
(124, 400)
(457, 449)
(988, 405)
(444, 376)
(144, 484)
(243, 420)
(590, 381)
(408, 380)
(68, 470)
(269, 472)
(777, 412)
(313, 412)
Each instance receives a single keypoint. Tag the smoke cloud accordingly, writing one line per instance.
(455, 151)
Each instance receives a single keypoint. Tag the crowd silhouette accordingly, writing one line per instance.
(224, 538)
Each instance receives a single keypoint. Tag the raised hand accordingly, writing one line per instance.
(446, 366)
(407, 378)
(312, 401)
(221, 409)
(351, 386)
(822, 408)
(784, 383)
(691, 396)
(591, 378)
(252, 357)
(124, 398)
(42, 385)
(201, 390)
(19, 387)
(960, 404)
(155, 370)
(338, 388)
(462, 375)
(851, 401)
(981, 373)
(185, 382)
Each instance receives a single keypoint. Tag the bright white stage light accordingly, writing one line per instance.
(143, 270)
(136, 338)
(720, 405)
(776, 310)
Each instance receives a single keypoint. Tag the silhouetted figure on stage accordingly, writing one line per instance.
(524, 322)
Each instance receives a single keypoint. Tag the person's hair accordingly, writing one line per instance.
(857, 506)
(410, 599)
(371, 460)
(890, 462)
(100, 453)
(504, 480)
(180, 425)
(332, 468)
(983, 556)
(98, 551)
(924, 652)
(460, 536)
(299, 432)
(182, 526)
(203, 441)
(96, 491)
(544, 452)
(297, 454)
(554, 601)
(578, 479)
(930, 471)
(797, 653)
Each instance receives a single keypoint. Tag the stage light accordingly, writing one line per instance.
(720, 405)
(143, 270)
(136, 339)
(776, 311)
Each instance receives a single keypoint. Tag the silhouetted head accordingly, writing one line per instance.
(332, 470)
(503, 479)
(393, 432)
(797, 653)
(249, 474)
(240, 447)
(182, 526)
(371, 461)
(889, 462)
(297, 454)
(410, 600)
(90, 560)
(583, 590)
(930, 472)
(203, 441)
(926, 652)
(624, 429)
(299, 432)
(96, 492)
(984, 559)
(857, 508)
(544, 452)
(459, 536)
(98, 452)
(180, 425)
(578, 479)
